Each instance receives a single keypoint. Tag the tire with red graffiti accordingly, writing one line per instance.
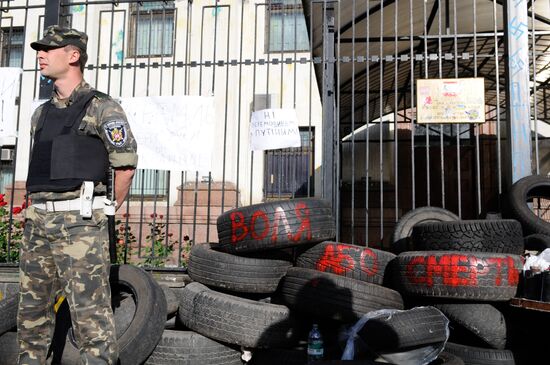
(483, 321)
(403, 228)
(235, 273)
(332, 296)
(352, 261)
(235, 320)
(392, 332)
(461, 275)
(275, 225)
(526, 190)
(480, 356)
(501, 235)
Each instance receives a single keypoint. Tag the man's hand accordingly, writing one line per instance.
(123, 181)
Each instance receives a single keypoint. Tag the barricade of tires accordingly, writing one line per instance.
(464, 268)
(250, 291)
(277, 270)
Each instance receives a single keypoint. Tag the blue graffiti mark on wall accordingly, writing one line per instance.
(517, 2)
(216, 11)
(77, 9)
(516, 62)
(520, 131)
(118, 41)
(517, 28)
(518, 104)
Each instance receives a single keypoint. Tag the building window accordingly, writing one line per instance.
(149, 184)
(12, 46)
(286, 26)
(151, 29)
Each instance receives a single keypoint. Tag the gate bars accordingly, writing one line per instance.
(354, 90)
(390, 164)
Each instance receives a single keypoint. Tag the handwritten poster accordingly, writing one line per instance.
(271, 129)
(172, 132)
(451, 100)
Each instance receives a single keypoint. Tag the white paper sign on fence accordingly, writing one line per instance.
(271, 129)
(172, 132)
(9, 89)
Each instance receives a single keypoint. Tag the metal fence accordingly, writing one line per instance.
(387, 163)
(349, 68)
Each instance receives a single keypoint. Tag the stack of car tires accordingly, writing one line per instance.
(275, 271)
(464, 268)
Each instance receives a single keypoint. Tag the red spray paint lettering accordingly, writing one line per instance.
(460, 270)
(338, 258)
(241, 229)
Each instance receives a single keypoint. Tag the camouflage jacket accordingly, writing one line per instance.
(104, 118)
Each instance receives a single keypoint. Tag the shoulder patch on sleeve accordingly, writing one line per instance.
(116, 132)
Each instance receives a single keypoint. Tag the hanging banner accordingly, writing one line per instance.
(450, 101)
(9, 89)
(172, 132)
(271, 129)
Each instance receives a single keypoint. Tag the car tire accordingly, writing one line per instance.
(503, 236)
(403, 228)
(478, 276)
(147, 324)
(191, 348)
(274, 225)
(235, 273)
(335, 297)
(235, 320)
(352, 261)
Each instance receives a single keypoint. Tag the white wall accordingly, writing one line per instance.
(232, 107)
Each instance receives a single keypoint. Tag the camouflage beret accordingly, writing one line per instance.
(56, 36)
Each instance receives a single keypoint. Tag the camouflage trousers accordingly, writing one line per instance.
(65, 254)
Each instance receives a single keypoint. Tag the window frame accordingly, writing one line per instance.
(296, 10)
(8, 45)
(135, 11)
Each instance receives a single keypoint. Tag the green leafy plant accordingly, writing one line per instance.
(185, 250)
(11, 231)
(160, 245)
(125, 241)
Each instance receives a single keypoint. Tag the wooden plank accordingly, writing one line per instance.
(530, 304)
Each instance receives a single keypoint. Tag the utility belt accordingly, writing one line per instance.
(86, 203)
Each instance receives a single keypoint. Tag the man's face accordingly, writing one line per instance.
(54, 62)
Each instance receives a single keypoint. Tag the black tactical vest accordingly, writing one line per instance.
(62, 156)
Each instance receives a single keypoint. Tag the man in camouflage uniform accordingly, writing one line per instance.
(65, 251)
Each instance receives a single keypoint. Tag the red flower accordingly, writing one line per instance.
(161, 216)
(24, 205)
(154, 215)
(2, 196)
(126, 215)
(3, 203)
(17, 210)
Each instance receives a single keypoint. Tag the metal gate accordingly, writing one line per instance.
(386, 162)
(349, 68)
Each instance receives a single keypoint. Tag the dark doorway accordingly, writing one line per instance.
(288, 172)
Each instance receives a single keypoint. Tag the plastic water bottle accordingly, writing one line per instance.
(314, 345)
